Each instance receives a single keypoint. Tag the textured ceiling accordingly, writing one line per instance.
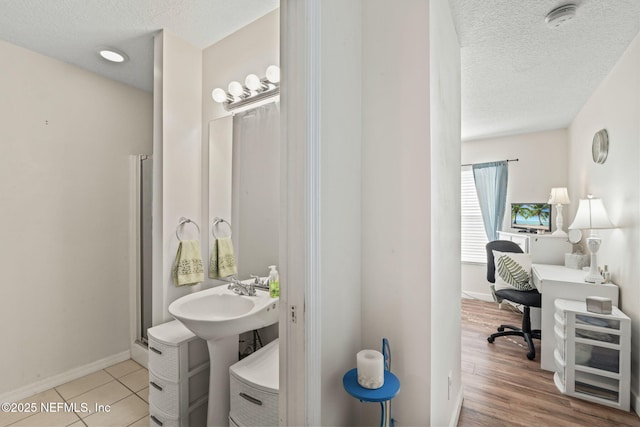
(73, 30)
(518, 75)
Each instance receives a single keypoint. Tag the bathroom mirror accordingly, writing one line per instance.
(244, 185)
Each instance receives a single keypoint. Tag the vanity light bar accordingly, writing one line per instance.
(254, 90)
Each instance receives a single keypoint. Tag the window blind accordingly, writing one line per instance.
(474, 238)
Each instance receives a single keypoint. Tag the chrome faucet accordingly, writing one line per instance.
(260, 283)
(240, 288)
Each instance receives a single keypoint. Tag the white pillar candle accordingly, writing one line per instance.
(370, 364)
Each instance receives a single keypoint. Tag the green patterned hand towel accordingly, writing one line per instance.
(187, 268)
(223, 261)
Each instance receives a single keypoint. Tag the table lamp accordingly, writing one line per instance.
(559, 197)
(592, 215)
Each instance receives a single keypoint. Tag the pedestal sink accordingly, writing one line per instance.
(218, 316)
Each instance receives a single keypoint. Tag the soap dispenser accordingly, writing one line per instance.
(274, 282)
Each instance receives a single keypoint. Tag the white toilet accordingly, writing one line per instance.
(254, 388)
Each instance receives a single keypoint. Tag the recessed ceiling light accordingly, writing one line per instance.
(561, 15)
(113, 55)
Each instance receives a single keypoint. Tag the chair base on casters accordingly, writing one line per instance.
(525, 332)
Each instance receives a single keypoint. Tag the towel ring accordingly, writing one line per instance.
(182, 221)
(217, 221)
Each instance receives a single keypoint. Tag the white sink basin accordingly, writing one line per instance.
(218, 312)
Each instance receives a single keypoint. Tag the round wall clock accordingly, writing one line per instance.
(575, 236)
(600, 146)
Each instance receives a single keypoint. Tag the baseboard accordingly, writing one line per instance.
(65, 377)
(140, 354)
(456, 413)
(477, 295)
(635, 403)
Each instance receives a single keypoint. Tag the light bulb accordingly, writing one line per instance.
(273, 73)
(253, 82)
(235, 89)
(219, 95)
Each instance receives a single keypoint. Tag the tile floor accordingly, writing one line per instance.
(122, 388)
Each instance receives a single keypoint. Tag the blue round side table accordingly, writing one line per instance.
(383, 394)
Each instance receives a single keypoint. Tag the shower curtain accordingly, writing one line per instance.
(256, 189)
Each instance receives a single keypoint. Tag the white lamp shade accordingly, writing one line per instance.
(591, 214)
(559, 196)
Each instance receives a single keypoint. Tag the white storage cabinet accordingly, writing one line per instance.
(592, 354)
(178, 377)
(254, 385)
(544, 248)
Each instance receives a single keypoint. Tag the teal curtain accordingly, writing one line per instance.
(491, 186)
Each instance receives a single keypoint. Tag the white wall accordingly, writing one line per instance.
(446, 399)
(340, 205)
(615, 105)
(396, 198)
(176, 160)
(64, 184)
(542, 165)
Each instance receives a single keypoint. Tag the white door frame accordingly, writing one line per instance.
(300, 339)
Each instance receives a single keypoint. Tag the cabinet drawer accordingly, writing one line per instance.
(164, 394)
(158, 418)
(597, 386)
(597, 357)
(164, 360)
(252, 407)
(197, 417)
(597, 336)
(597, 321)
(172, 396)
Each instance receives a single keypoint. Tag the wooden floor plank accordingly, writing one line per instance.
(502, 388)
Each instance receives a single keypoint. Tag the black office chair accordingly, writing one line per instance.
(527, 299)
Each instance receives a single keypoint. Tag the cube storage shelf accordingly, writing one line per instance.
(178, 376)
(592, 354)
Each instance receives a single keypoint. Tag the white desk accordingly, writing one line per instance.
(544, 248)
(557, 281)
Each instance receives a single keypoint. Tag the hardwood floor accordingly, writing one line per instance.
(503, 388)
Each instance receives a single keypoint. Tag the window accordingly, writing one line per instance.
(474, 237)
